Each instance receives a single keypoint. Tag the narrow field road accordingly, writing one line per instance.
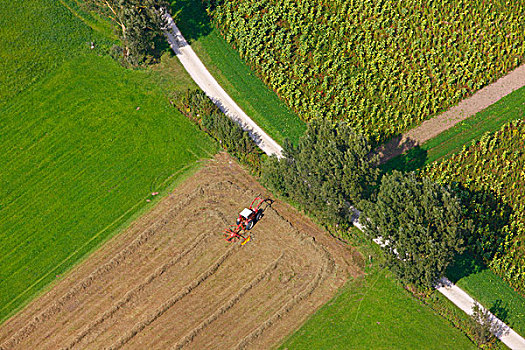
(209, 85)
(468, 107)
(215, 92)
(462, 300)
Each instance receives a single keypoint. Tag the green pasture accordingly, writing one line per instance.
(375, 312)
(232, 73)
(37, 36)
(84, 143)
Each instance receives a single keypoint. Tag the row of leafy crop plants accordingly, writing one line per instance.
(382, 65)
(424, 219)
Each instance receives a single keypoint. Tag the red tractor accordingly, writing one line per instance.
(247, 218)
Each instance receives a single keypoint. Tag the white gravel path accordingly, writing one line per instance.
(461, 299)
(209, 85)
(464, 301)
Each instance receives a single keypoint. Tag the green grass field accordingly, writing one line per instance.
(84, 143)
(375, 312)
(235, 77)
(36, 36)
(451, 141)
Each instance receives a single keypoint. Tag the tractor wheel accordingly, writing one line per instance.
(259, 214)
(249, 225)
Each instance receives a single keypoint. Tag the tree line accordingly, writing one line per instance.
(421, 224)
(331, 171)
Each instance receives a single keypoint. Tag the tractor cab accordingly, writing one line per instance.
(246, 213)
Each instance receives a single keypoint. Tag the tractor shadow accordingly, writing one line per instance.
(267, 203)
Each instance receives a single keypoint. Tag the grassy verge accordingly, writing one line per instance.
(84, 143)
(232, 73)
(375, 312)
(490, 290)
(451, 141)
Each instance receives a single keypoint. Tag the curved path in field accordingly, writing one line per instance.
(468, 107)
(479, 101)
(215, 92)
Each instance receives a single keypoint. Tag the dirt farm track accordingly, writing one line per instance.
(170, 281)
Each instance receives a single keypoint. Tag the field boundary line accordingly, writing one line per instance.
(127, 212)
(188, 338)
(168, 304)
(100, 271)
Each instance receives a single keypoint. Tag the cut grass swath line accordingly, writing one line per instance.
(133, 292)
(188, 338)
(101, 270)
(168, 304)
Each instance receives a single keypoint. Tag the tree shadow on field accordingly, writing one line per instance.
(413, 159)
(191, 18)
(489, 215)
(398, 152)
(499, 310)
(465, 265)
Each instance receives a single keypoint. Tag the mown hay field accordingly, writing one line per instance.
(84, 143)
(172, 281)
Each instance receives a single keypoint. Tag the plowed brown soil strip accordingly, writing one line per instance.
(171, 281)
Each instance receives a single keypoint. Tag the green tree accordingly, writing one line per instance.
(139, 24)
(328, 170)
(421, 225)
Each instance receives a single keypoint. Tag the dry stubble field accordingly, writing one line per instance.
(170, 281)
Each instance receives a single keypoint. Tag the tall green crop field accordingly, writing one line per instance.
(383, 65)
(83, 143)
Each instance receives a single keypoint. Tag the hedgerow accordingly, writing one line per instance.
(490, 174)
(383, 65)
(195, 105)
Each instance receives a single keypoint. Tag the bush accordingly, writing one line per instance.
(328, 171)
(198, 107)
(421, 226)
(484, 327)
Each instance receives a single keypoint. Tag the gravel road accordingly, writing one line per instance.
(215, 92)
